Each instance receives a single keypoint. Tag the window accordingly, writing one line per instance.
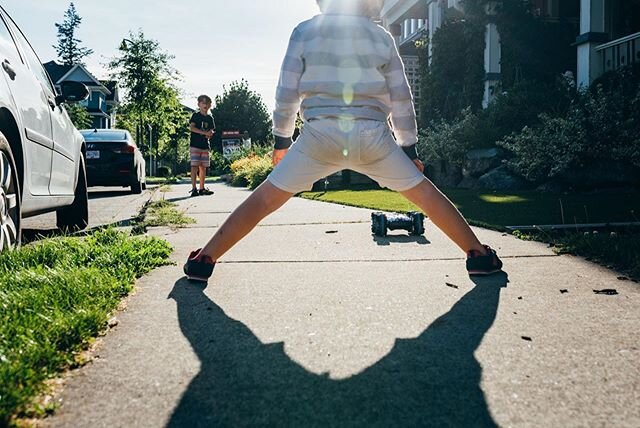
(32, 59)
(7, 45)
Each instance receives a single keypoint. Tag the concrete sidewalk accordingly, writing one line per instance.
(310, 321)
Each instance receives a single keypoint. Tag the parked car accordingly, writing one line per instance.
(113, 159)
(42, 164)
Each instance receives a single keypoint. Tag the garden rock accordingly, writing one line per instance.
(501, 179)
(479, 161)
(444, 174)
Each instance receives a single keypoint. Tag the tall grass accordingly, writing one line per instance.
(54, 297)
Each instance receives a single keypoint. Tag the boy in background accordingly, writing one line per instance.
(202, 128)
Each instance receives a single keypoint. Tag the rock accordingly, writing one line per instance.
(479, 161)
(468, 182)
(444, 174)
(501, 179)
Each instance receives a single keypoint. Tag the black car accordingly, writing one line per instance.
(113, 159)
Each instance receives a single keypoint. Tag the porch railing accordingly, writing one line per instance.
(620, 53)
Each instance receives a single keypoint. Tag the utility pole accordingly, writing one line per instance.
(151, 168)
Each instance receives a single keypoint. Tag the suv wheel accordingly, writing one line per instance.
(76, 216)
(10, 215)
(136, 187)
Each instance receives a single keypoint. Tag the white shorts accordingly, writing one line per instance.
(329, 145)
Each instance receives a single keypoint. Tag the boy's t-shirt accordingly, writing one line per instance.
(203, 122)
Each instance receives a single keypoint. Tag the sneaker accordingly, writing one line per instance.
(198, 268)
(206, 191)
(478, 264)
(194, 192)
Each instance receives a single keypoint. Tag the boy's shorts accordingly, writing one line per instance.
(329, 145)
(199, 157)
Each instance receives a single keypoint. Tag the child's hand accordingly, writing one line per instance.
(418, 163)
(209, 133)
(278, 155)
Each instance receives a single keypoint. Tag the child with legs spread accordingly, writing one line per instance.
(343, 74)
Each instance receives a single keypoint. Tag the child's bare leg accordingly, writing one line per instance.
(194, 171)
(263, 201)
(444, 214)
(202, 172)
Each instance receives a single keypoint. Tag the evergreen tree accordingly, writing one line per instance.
(68, 49)
(239, 108)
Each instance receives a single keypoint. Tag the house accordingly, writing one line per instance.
(103, 95)
(407, 22)
(608, 36)
(405, 19)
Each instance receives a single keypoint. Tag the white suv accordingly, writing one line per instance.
(42, 166)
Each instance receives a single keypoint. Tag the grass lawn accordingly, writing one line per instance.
(499, 209)
(496, 210)
(55, 296)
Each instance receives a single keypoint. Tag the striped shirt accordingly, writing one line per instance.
(344, 66)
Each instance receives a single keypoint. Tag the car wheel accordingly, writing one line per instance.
(10, 214)
(136, 187)
(76, 216)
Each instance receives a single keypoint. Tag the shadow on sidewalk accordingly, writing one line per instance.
(432, 380)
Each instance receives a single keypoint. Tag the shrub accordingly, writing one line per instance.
(219, 164)
(448, 141)
(164, 171)
(251, 171)
(239, 171)
(600, 125)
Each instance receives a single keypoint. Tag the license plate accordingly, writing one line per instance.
(93, 154)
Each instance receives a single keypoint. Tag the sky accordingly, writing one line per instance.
(214, 41)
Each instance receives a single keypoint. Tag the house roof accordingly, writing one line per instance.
(60, 73)
(56, 71)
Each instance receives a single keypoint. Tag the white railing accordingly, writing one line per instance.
(620, 53)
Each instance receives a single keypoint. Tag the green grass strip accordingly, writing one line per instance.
(55, 296)
(164, 213)
(495, 210)
(498, 209)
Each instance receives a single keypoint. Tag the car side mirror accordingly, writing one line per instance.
(72, 92)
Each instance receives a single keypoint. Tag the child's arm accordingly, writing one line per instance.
(287, 96)
(403, 115)
(193, 128)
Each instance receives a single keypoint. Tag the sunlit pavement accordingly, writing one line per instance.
(107, 206)
(310, 321)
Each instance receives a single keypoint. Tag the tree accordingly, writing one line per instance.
(454, 79)
(68, 49)
(242, 109)
(78, 115)
(151, 108)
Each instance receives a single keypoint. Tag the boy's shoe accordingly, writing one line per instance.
(194, 192)
(478, 264)
(206, 191)
(198, 268)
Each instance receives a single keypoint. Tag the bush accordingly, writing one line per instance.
(251, 171)
(448, 141)
(219, 165)
(164, 171)
(599, 126)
